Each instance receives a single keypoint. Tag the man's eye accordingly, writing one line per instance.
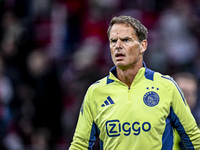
(113, 41)
(126, 40)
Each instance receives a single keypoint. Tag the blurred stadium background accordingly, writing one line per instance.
(52, 50)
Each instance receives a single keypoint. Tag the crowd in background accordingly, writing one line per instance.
(52, 50)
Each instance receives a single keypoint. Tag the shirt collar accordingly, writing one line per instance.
(144, 71)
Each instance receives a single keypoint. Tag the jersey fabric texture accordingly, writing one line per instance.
(140, 117)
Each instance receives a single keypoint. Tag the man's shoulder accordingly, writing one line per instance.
(156, 76)
(99, 83)
(164, 79)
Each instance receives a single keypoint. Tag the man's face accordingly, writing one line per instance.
(125, 48)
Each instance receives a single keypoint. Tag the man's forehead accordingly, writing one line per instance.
(122, 25)
(121, 29)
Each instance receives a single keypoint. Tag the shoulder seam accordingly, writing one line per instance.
(180, 91)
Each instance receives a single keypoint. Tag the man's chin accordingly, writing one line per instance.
(121, 66)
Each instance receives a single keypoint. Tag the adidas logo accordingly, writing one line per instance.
(107, 102)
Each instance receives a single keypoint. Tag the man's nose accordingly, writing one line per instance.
(118, 44)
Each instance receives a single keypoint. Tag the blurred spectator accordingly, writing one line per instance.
(189, 85)
(13, 141)
(179, 44)
(81, 72)
(40, 140)
(6, 96)
(15, 45)
(59, 29)
(77, 11)
(46, 92)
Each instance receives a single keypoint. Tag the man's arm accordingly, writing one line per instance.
(86, 130)
(183, 120)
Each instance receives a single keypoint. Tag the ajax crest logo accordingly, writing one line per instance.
(151, 98)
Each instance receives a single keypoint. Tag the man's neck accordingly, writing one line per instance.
(127, 76)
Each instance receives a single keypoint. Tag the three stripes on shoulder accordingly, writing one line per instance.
(107, 102)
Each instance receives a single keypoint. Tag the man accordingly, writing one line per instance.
(188, 83)
(133, 107)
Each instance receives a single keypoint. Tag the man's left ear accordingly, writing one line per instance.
(143, 46)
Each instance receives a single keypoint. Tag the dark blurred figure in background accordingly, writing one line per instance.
(46, 96)
(6, 96)
(188, 83)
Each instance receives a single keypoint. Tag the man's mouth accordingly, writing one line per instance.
(119, 55)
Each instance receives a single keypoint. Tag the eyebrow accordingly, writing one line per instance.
(111, 39)
(126, 37)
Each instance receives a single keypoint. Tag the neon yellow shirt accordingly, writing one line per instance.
(141, 117)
